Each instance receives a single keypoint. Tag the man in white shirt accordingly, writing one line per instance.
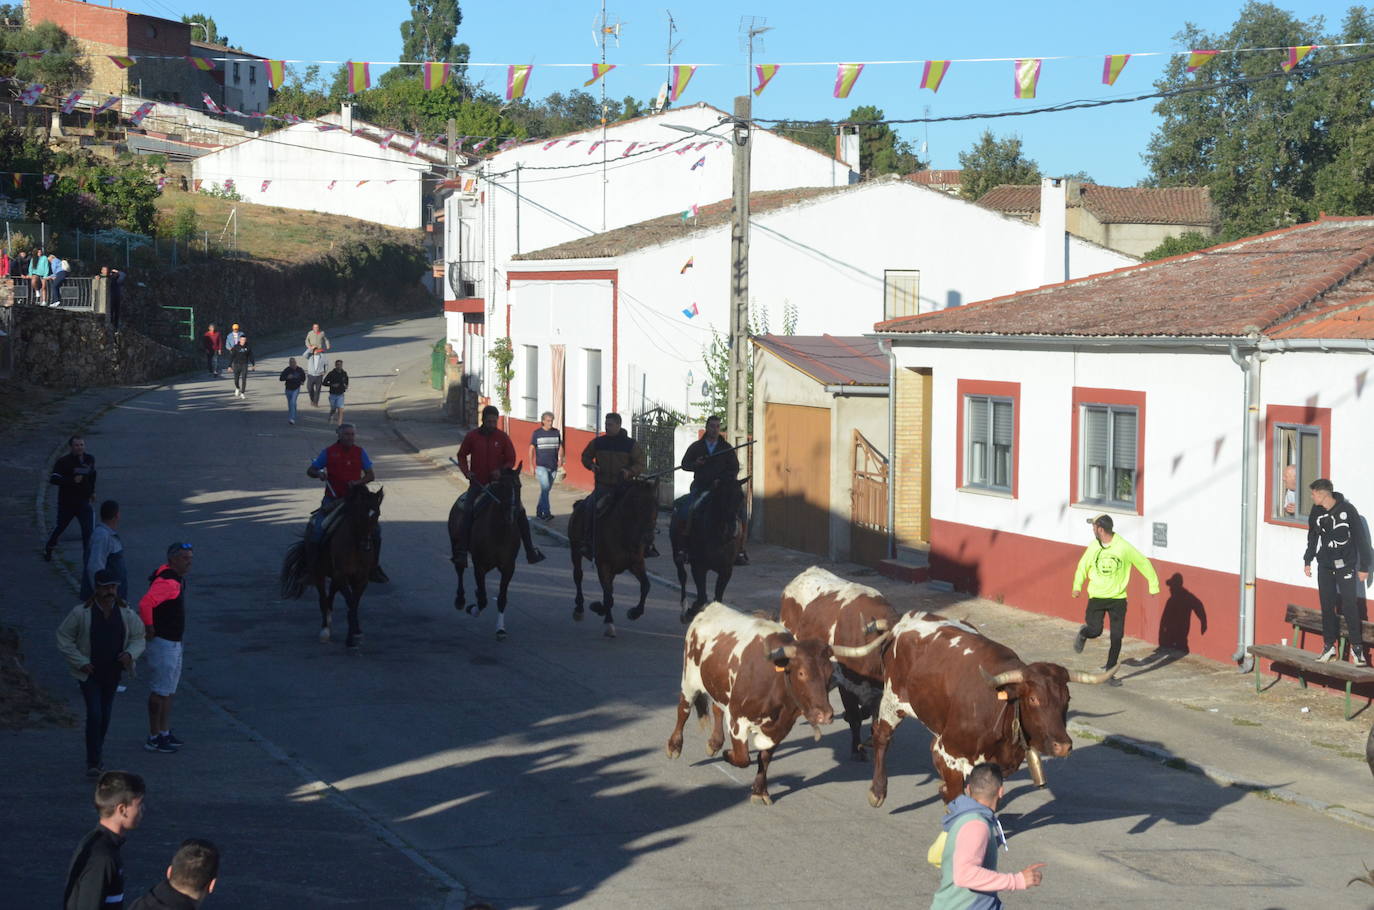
(315, 368)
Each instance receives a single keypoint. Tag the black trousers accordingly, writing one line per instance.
(1098, 609)
(83, 514)
(99, 694)
(241, 379)
(1337, 589)
(312, 387)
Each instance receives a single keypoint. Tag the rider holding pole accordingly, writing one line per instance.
(613, 458)
(342, 466)
(482, 456)
(708, 460)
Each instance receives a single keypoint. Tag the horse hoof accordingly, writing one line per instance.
(761, 799)
(635, 612)
(683, 617)
(500, 634)
(875, 800)
(473, 609)
(609, 631)
(355, 645)
(324, 636)
(598, 608)
(577, 614)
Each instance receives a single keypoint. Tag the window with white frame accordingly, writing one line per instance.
(1297, 462)
(989, 429)
(531, 396)
(1107, 466)
(591, 399)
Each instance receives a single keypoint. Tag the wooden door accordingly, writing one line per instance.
(797, 477)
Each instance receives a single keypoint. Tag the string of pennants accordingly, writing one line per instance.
(1025, 74)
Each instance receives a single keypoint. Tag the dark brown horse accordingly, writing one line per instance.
(710, 541)
(341, 564)
(622, 535)
(494, 543)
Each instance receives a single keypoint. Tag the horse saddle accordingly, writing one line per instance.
(323, 521)
(482, 502)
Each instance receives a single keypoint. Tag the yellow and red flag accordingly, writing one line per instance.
(1112, 65)
(1199, 59)
(598, 70)
(517, 79)
(434, 75)
(678, 79)
(276, 72)
(765, 72)
(933, 73)
(845, 77)
(121, 62)
(204, 64)
(1296, 55)
(359, 77)
(1027, 78)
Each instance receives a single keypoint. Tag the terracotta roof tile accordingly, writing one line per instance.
(1253, 285)
(830, 359)
(1114, 204)
(937, 178)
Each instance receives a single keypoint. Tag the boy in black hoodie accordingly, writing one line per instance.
(1338, 540)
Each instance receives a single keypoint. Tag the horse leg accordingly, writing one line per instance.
(607, 604)
(353, 595)
(699, 570)
(479, 581)
(460, 598)
(577, 579)
(638, 609)
(723, 575)
(681, 567)
(326, 607)
(507, 571)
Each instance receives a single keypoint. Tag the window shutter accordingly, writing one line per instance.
(1002, 423)
(1095, 437)
(977, 419)
(1123, 440)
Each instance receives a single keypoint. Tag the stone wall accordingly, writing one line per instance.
(63, 349)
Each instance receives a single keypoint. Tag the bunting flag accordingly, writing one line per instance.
(571, 143)
(228, 184)
(690, 311)
(701, 162)
(276, 72)
(18, 180)
(434, 75)
(414, 145)
(1296, 55)
(765, 73)
(507, 144)
(204, 64)
(933, 73)
(161, 182)
(360, 183)
(517, 79)
(1199, 59)
(845, 77)
(332, 184)
(594, 146)
(598, 70)
(359, 77)
(210, 104)
(629, 148)
(549, 145)
(1112, 65)
(385, 141)
(265, 185)
(32, 55)
(121, 62)
(481, 145)
(1027, 77)
(691, 261)
(686, 216)
(69, 102)
(195, 184)
(677, 81)
(48, 180)
(696, 210)
(144, 110)
(31, 94)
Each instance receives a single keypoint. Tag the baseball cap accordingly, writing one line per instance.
(234, 326)
(1102, 521)
(105, 577)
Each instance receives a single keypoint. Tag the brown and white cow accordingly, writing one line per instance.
(981, 702)
(819, 604)
(757, 679)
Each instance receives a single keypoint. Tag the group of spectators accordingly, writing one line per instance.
(42, 273)
(315, 375)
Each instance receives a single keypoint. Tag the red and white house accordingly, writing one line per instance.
(1171, 395)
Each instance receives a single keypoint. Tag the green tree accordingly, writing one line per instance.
(131, 195)
(428, 36)
(61, 69)
(992, 162)
(205, 29)
(1184, 243)
(881, 150)
(302, 94)
(558, 113)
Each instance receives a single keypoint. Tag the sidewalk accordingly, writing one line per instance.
(1188, 712)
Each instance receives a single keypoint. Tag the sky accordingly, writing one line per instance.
(1106, 143)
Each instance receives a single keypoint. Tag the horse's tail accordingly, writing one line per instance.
(294, 571)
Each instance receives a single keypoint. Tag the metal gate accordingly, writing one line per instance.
(868, 503)
(653, 430)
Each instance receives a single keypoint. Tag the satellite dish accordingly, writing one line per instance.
(661, 102)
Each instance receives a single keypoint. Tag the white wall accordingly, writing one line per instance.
(576, 314)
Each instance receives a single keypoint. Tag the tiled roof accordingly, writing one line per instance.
(1256, 285)
(1114, 204)
(938, 178)
(667, 228)
(830, 359)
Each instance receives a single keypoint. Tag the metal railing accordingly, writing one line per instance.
(75, 294)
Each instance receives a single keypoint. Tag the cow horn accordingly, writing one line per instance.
(1093, 679)
(1003, 679)
(786, 652)
(876, 626)
(861, 651)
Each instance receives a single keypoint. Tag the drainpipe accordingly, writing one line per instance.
(885, 344)
(1249, 503)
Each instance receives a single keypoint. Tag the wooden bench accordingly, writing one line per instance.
(1303, 621)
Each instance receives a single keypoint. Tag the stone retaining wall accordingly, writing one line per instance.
(62, 349)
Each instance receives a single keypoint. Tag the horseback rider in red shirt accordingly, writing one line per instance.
(485, 452)
(342, 466)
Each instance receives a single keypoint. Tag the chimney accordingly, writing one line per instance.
(346, 113)
(1054, 241)
(847, 145)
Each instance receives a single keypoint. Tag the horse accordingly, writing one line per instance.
(493, 544)
(621, 534)
(710, 540)
(344, 560)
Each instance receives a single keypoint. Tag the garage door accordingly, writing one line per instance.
(797, 477)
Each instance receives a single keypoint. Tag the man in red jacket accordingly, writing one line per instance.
(484, 453)
(213, 343)
(342, 466)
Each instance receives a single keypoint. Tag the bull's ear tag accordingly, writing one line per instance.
(779, 668)
(1001, 695)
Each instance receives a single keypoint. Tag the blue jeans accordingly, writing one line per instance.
(545, 476)
(291, 404)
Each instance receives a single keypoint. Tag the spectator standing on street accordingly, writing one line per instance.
(190, 878)
(337, 382)
(74, 476)
(39, 270)
(316, 338)
(1106, 565)
(547, 454)
(1338, 540)
(315, 367)
(95, 878)
(233, 337)
(241, 361)
(294, 377)
(107, 552)
(114, 285)
(163, 611)
(213, 343)
(100, 638)
(968, 862)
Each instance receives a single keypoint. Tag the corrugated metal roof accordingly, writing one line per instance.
(830, 359)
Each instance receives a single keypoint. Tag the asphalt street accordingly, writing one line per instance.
(531, 772)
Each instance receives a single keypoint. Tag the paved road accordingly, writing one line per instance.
(532, 770)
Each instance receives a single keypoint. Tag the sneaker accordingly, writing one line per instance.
(1328, 655)
(121, 688)
(290, 421)
(158, 744)
(171, 739)
(1079, 641)
(651, 551)
(1357, 657)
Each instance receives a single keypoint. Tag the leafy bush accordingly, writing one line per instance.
(228, 191)
(184, 225)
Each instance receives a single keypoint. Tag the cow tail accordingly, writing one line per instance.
(702, 704)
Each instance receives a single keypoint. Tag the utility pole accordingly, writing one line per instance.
(737, 420)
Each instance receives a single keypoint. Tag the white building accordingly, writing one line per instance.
(1154, 394)
(346, 170)
(241, 77)
(620, 320)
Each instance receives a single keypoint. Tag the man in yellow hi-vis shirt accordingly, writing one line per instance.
(1106, 564)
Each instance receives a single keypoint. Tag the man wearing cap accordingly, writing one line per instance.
(1338, 540)
(163, 611)
(100, 639)
(1106, 565)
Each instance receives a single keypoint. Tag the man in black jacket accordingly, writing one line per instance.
(74, 476)
(1338, 540)
(336, 380)
(294, 377)
(709, 459)
(190, 878)
(241, 360)
(95, 878)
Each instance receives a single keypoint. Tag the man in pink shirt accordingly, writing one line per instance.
(969, 879)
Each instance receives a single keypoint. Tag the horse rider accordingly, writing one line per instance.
(708, 460)
(613, 458)
(342, 466)
(484, 452)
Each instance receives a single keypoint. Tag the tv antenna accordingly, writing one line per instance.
(751, 29)
(672, 30)
(604, 30)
